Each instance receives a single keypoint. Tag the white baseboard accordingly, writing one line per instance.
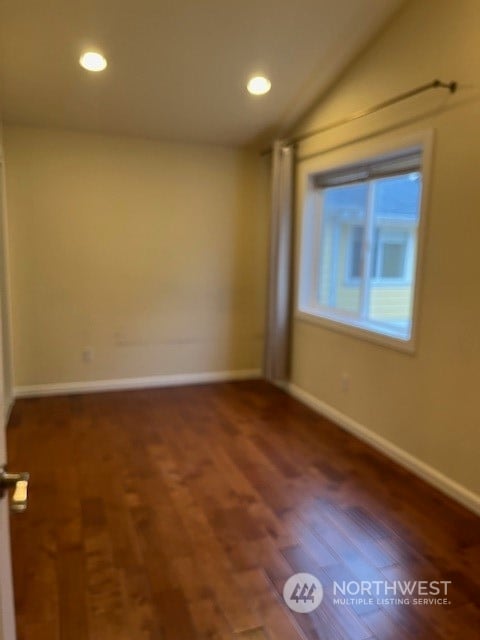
(94, 386)
(437, 479)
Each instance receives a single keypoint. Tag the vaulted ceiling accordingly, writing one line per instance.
(177, 68)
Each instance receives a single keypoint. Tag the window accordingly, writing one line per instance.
(359, 246)
(355, 241)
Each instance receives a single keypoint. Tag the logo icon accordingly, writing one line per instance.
(303, 592)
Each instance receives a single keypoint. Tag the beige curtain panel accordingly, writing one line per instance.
(277, 338)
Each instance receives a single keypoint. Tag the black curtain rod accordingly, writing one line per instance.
(435, 84)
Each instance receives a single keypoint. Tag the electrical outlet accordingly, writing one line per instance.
(87, 354)
(345, 382)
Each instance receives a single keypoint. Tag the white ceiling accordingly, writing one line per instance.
(177, 68)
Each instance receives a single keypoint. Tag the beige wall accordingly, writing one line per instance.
(426, 403)
(152, 254)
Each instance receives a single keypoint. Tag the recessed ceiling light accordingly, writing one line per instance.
(259, 85)
(93, 61)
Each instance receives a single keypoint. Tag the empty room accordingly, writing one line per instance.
(239, 320)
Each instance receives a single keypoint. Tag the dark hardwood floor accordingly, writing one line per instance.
(179, 514)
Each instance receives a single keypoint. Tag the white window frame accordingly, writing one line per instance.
(309, 226)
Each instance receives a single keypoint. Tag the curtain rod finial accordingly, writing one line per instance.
(453, 86)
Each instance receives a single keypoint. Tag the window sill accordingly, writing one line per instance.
(357, 330)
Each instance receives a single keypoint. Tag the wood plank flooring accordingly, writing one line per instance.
(178, 514)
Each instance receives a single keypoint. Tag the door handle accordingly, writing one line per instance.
(19, 483)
